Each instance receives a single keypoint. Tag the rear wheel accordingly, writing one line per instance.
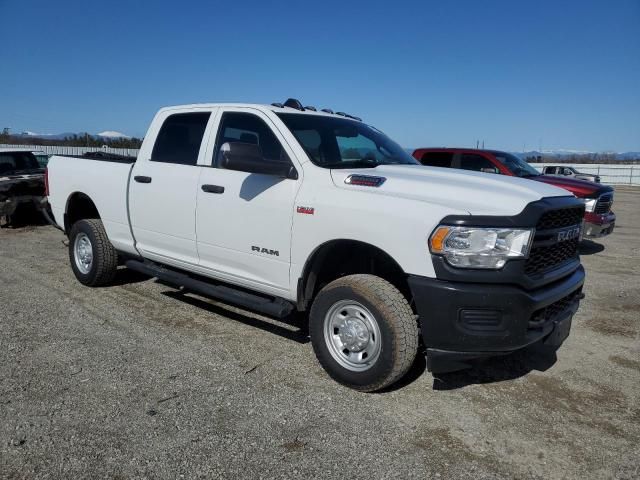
(363, 332)
(93, 259)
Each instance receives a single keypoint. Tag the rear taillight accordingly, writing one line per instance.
(46, 182)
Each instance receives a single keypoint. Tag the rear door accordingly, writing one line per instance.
(162, 192)
(244, 219)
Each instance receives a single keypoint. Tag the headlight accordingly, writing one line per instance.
(475, 247)
(589, 204)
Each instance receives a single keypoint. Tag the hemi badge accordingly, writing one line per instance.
(364, 180)
(306, 210)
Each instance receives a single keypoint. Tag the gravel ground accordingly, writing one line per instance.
(134, 380)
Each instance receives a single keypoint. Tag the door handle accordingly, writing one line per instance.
(142, 179)
(212, 188)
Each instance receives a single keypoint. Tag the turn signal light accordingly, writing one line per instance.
(436, 242)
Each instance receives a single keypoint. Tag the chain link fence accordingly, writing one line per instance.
(609, 174)
(64, 150)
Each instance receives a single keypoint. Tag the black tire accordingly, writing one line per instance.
(105, 258)
(397, 324)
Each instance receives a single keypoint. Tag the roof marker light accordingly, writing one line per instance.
(294, 103)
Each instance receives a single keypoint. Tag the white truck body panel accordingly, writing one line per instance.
(106, 183)
(162, 212)
(174, 222)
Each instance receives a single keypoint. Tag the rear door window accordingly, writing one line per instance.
(180, 138)
(437, 159)
(476, 163)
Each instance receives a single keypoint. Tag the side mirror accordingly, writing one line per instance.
(247, 157)
(490, 170)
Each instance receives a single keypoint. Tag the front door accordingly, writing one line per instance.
(243, 221)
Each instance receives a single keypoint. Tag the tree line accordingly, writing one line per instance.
(606, 158)
(82, 140)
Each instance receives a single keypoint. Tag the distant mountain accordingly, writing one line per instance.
(563, 154)
(112, 134)
(108, 135)
(49, 136)
(628, 155)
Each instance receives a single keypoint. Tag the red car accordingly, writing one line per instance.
(598, 198)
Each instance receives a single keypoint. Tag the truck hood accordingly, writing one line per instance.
(580, 188)
(473, 192)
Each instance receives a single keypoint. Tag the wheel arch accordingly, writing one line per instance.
(348, 257)
(79, 206)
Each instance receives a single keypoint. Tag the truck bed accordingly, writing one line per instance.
(105, 180)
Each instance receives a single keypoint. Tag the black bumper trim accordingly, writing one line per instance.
(440, 305)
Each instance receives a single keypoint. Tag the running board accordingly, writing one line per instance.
(275, 307)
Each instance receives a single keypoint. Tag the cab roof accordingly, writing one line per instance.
(290, 106)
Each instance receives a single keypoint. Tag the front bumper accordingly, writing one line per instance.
(464, 321)
(598, 225)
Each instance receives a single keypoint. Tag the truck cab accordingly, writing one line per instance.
(285, 209)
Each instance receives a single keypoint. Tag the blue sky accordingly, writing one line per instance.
(556, 74)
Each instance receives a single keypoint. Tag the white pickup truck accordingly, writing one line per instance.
(564, 171)
(282, 208)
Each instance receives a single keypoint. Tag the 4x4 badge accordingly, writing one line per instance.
(306, 210)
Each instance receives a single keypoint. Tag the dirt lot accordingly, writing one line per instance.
(136, 380)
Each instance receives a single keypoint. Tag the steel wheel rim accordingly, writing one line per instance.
(83, 253)
(352, 335)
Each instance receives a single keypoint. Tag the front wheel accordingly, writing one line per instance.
(363, 332)
(93, 259)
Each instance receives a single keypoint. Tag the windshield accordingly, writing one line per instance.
(334, 142)
(516, 165)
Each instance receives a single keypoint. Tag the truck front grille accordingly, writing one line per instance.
(547, 251)
(604, 203)
(564, 217)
